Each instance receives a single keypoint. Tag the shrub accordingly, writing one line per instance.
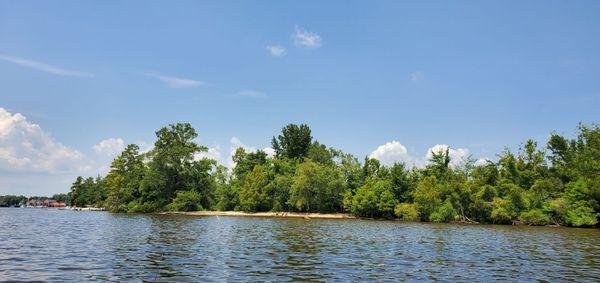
(407, 212)
(535, 217)
(137, 207)
(373, 199)
(581, 214)
(364, 202)
(186, 201)
(444, 213)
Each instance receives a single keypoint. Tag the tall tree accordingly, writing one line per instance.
(293, 142)
(256, 193)
(316, 187)
(124, 179)
(174, 167)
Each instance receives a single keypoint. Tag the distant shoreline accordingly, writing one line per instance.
(264, 214)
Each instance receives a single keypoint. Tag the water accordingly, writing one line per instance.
(58, 245)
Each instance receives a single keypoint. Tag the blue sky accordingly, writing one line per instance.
(389, 79)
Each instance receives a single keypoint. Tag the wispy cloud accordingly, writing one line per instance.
(306, 38)
(251, 93)
(417, 76)
(44, 67)
(175, 81)
(110, 147)
(276, 50)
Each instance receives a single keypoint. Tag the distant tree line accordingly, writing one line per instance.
(557, 184)
(13, 200)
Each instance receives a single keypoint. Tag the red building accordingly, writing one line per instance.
(57, 204)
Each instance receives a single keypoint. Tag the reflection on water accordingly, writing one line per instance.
(56, 245)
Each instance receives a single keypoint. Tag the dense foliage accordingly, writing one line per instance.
(558, 184)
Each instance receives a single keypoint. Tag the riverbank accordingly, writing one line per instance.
(87, 208)
(266, 214)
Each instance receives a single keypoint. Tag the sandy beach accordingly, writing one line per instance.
(267, 214)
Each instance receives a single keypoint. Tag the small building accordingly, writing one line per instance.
(57, 204)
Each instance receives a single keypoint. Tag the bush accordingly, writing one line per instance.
(137, 207)
(481, 210)
(581, 215)
(557, 208)
(373, 199)
(444, 213)
(186, 201)
(364, 202)
(535, 217)
(407, 212)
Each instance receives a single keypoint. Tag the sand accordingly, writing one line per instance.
(267, 214)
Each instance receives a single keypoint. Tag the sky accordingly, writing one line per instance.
(387, 79)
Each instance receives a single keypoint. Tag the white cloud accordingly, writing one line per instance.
(110, 147)
(394, 151)
(175, 82)
(211, 153)
(25, 147)
(417, 76)
(270, 151)
(145, 147)
(251, 93)
(481, 161)
(306, 38)
(391, 152)
(225, 158)
(234, 144)
(44, 67)
(458, 156)
(276, 50)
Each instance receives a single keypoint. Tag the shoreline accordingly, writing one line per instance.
(304, 215)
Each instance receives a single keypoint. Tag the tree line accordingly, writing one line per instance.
(14, 200)
(557, 184)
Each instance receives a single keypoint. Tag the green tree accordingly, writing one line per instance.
(427, 196)
(256, 193)
(173, 167)
(124, 179)
(319, 153)
(407, 212)
(245, 162)
(293, 142)
(186, 201)
(316, 187)
(226, 194)
(374, 199)
(402, 182)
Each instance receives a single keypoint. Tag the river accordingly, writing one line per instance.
(60, 245)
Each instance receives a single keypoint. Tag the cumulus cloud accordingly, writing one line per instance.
(392, 152)
(276, 50)
(25, 147)
(211, 153)
(269, 151)
(416, 76)
(458, 156)
(110, 147)
(225, 157)
(306, 38)
(481, 161)
(175, 82)
(44, 67)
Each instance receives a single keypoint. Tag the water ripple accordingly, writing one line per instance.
(55, 245)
